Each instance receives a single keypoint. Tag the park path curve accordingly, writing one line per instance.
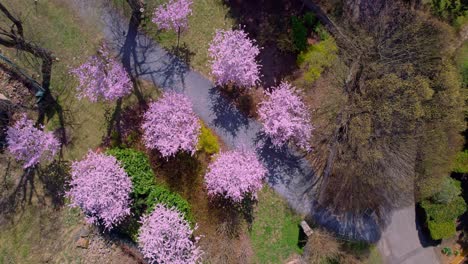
(401, 240)
(290, 175)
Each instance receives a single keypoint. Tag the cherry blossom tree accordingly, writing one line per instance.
(101, 188)
(102, 78)
(235, 175)
(30, 144)
(170, 125)
(233, 58)
(173, 16)
(165, 237)
(285, 117)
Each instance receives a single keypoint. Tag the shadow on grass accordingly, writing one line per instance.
(21, 195)
(113, 135)
(54, 179)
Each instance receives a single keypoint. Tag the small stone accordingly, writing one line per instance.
(84, 232)
(82, 243)
(47, 257)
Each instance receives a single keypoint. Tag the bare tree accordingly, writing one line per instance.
(12, 36)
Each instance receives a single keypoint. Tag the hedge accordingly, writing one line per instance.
(146, 191)
(441, 216)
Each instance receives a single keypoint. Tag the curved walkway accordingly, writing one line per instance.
(400, 242)
(289, 174)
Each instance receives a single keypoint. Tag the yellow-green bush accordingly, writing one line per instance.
(208, 142)
(316, 58)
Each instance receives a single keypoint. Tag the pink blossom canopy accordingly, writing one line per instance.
(100, 187)
(170, 125)
(285, 117)
(173, 15)
(233, 58)
(102, 78)
(30, 144)
(235, 174)
(165, 237)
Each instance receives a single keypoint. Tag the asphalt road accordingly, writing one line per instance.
(401, 243)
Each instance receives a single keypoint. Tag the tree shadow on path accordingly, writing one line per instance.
(227, 116)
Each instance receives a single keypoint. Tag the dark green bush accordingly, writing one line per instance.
(160, 194)
(137, 166)
(309, 19)
(299, 33)
(146, 191)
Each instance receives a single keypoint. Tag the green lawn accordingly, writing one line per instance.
(54, 26)
(206, 18)
(36, 229)
(275, 230)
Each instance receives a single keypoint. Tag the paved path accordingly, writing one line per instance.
(400, 242)
(289, 174)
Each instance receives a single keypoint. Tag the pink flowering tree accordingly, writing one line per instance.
(235, 175)
(173, 16)
(165, 237)
(102, 78)
(101, 188)
(170, 125)
(285, 117)
(233, 58)
(30, 144)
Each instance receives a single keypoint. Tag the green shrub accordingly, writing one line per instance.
(299, 33)
(450, 10)
(321, 32)
(464, 73)
(316, 58)
(443, 209)
(138, 167)
(461, 161)
(208, 142)
(309, 19)
(441, 230)
(160, 194)
(146, 191)
(446, 251)
(450, 189)
(444, 212)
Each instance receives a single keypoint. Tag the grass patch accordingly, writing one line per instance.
(374, 256)
(52, 25)
(36, 234)
(275, 230)
(206, 18)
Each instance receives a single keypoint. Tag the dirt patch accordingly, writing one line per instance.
(222, 227)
